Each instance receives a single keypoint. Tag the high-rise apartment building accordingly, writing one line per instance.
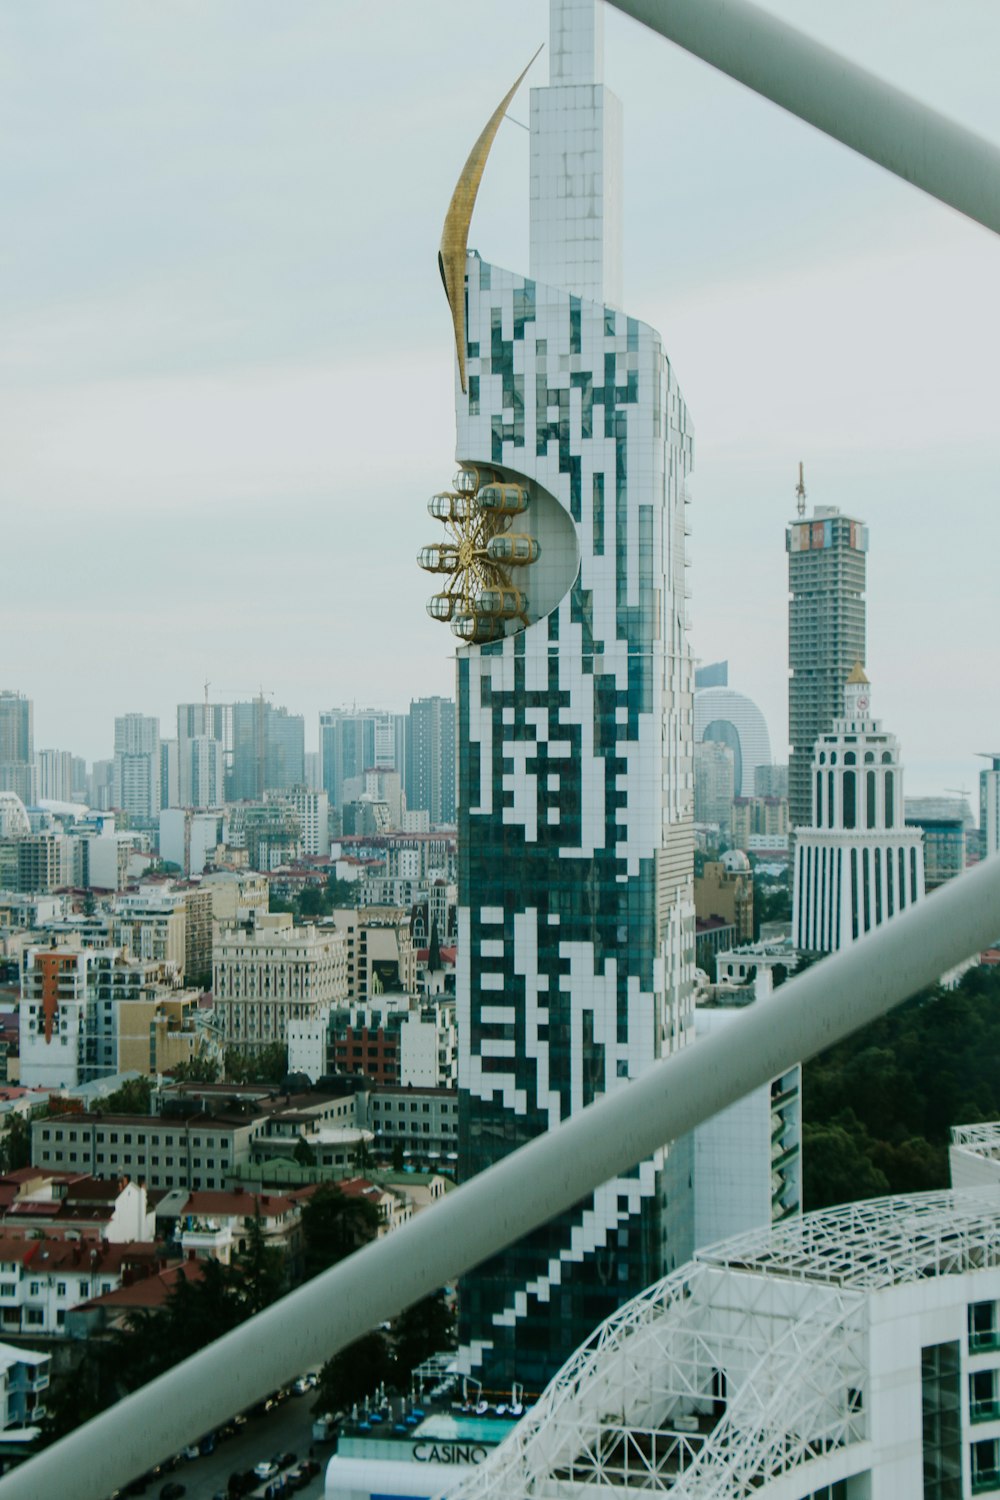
(55, 775)
(353, 741)
(859, 863)
(576, 919)
(989, 805)
(430, 758)
(826, 635)
(136, 775)
(198, 723)
(733, 719)
(17, 747)
(268, 750)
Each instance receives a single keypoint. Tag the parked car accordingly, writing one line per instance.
(266, 1469)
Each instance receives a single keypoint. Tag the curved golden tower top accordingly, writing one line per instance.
(455, 234)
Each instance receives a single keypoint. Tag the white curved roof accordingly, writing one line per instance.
(746, 1363)
(722, 714)
(13, 815)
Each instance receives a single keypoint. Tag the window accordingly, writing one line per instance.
(983, 1333)
(35, 1288)
(942, 1421)
(34, 1316)
(60, 1288)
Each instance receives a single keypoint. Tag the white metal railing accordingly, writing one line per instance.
(831, 92)
(520, 1193)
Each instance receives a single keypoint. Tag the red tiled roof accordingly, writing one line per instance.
(149, 1291)
(244, 1204)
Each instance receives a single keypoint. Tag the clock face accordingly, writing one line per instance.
(862, 703)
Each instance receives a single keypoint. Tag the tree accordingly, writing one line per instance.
(334, 1226)
(304, 1153)
(200, 1069)
(311, 901)
(135, 1097)
(836, 1165)
(268, 1065)
(15, 1145)
(426, 1328)
(260, 1277)
(356, 1372)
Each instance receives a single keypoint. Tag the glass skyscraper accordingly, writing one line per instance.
(576, 917)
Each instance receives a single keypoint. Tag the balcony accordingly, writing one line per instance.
(984, 1411)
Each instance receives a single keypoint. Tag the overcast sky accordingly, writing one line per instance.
(218, 277)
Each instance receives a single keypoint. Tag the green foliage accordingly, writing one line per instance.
(334, 1226)
(202, 1069)
(135, 1097)
(304, 1153)
(15, 1143)
(355, 1373)
(269, 1065)
(195, 1313)
(879, 1106)
(420, 1331)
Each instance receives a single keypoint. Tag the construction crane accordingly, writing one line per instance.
(800, 492)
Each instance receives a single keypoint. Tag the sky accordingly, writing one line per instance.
(226, 364)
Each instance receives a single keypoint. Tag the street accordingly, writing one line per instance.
(288, 1428)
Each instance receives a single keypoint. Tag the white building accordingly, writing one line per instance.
(428, 1047)
(989, 805)
(189, 838)
(852, 1354)
(24, 1379)
(135, 787)
(55, 775)
(313, 811)
(277, 974)
(858, 864)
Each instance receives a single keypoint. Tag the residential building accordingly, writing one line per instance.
(576, 914)
(421, 1122)
(760, 819)
(275, 974)
(41, 862)
(268, 750)
(352, 741)
(943, 821)
(771, 781)
(189, 839)
(725, 889)
(151, 923)
(76, 1207)
(380, 953)
(136, 772)
(202, 769)
(733, 719)
(237, 895)
(850, 1354)
(269, 832)
(55, 775)
(41, 1280)
(826, 635)
(989, 806)
(170, 774)
(14, 820)
(858, 863)
(714, 780)
(24, 1379)
(430, 758)
(216, 1225)
(197, 1152)
(17, 747)
(313, 812)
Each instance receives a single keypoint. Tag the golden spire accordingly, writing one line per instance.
(857, 676)
(455, 234)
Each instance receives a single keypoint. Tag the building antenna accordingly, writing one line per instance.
(800, 492)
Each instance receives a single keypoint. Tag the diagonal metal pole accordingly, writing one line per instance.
(843, 100)
(520, 1193)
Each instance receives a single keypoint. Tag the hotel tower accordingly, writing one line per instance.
(560, 564)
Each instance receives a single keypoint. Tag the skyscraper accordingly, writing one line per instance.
(826, 635)
(563, 577)
(197, 766)
(136, 774)
(17, 747)
(355, 740)
(989, 805)
(859, 864)
(268, 750)
(430, 758)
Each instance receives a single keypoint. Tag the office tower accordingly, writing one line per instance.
(714, 782)
(430, 758)
(170, 774)
(198, 722)
(944, 822)
(353, 741)
(55, 775)
(562, 574)
(712, 674)
(733, 719)
(859, 863)
(17, 747)
(268, 750)
(826, 634)
(771, 781)
(136, 774)
(989, 805)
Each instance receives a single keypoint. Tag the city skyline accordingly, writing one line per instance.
(191, 367)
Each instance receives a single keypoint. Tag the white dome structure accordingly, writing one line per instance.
(13, 816)
(734, 720)
(735, 862)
